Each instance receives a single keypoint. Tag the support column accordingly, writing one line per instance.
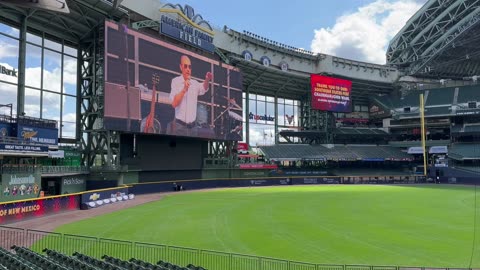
(247, 118)
(21, 67)
(78, 119)
(275, 129)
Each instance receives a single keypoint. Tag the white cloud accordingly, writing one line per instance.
(364, 34)
(69, 127)
(51, 102)
(14, 32)
(70, 70)
(8, 48)
(261, 135)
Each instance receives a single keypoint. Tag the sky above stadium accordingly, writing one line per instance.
(355, 29)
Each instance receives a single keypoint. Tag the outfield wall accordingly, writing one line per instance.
(33, 208)
(20, 210)
(16, 211)
(166, 186)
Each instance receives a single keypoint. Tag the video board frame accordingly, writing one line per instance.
(137, 65)
(331, 94)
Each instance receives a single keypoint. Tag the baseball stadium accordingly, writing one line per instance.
(136, 135)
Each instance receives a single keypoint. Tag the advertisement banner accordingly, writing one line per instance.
(242, 148)
(254, 173)
(315, 180)
(23, 148)
(104, 194)
(298, 172)
(5, 130)
(155, 87)
(20, 186)
(378, 111)
(330, 94)
(252, 166)
(38, 135)
(73, 184)
(17, 211)
(352, 120)
(186, 33)
(270, 182)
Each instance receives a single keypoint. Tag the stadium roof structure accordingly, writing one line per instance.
(439, 41)
(83, 17)
(270, 81)
(265, 79)
(295, 84)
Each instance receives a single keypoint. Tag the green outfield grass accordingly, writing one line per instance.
(342, 224)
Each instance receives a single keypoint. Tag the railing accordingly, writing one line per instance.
(418, 143)
(63, 169)
(42, 169)
(20, 168)
(109, 168)
(15, 140)
(212, 260)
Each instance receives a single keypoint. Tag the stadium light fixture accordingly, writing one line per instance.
(444, 81)
(116, 3)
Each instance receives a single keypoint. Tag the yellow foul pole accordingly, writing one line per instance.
(423, 131)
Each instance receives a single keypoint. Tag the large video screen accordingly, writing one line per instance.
(331, 94)
(152, 86)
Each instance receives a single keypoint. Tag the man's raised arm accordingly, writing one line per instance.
(208, 78)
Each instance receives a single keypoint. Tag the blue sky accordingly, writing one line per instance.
(292, 24)
(355, 29)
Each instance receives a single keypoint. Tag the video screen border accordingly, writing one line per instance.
(334, 82)
(127, 62)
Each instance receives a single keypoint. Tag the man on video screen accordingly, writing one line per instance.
(184, 96)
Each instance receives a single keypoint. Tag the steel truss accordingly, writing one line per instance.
(100, 147)
(437, 34)
(223, 150)
(315, 120)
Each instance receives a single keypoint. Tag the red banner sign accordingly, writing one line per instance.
(258, 166)
(242, 147)
(331, 94)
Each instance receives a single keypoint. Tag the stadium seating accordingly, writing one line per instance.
(67, 260)
(338, 153)
(96, 262)
(409, 100)
(290, 151)
(335, 153)
(437, 101)
(24, 258)
(385, 100)
(394, 153)
(445, 110)
(464, 151)
(457, 129)
(473, 128)
(146, 265)
(442, 96)
(37, 259)
(21, 258)
(9, 260)
(362, 131)
(468, 93)
(368, 152)
(474, 169)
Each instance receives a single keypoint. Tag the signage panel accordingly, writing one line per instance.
(169, 90)
(330, 94)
